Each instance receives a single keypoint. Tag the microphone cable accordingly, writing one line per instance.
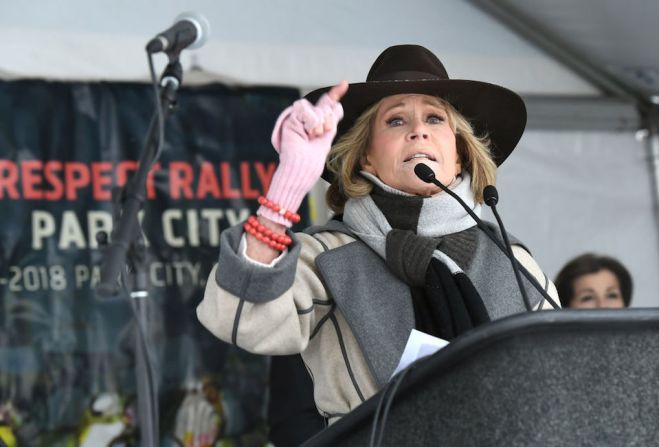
(384, 404)
(491, 196)
(159, 114)
(148, 435)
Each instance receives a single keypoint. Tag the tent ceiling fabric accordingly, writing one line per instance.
(289, 42)
(618, 37)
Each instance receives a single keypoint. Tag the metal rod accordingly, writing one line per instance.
(653, 160)
(579, 63)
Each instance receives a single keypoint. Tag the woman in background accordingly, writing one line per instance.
(591, 281)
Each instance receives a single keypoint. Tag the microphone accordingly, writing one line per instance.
(190, 30)
(491, 196)
(425, 173)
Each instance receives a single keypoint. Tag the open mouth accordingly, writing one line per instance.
(420, 155)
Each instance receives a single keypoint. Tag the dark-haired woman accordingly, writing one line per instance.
(591, 281)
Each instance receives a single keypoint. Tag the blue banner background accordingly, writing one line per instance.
(66, 357)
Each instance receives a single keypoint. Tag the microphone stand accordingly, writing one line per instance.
(127, 254)
(491, 199)
(427, 175)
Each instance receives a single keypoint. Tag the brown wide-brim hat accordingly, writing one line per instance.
(492, 110)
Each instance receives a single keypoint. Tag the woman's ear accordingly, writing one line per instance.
(459, 149)
(458, 166)
(366, 165)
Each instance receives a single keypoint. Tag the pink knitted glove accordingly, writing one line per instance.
(303, 136)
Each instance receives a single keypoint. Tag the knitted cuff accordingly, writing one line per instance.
(290, 183)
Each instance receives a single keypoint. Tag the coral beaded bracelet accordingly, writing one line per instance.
(288, 215)
(274, 240)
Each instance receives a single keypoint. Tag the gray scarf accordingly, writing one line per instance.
(439, 216)
(407, 232)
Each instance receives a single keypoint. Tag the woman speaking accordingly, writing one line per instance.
(399, 254)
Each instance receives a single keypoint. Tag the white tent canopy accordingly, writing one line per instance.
(291, 42)
(579, 180)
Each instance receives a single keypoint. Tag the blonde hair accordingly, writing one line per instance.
(345, 156)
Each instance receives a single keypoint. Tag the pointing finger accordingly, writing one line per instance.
(337, 92)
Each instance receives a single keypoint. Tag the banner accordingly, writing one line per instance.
(67, 356)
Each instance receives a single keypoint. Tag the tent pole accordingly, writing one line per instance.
(652, 120)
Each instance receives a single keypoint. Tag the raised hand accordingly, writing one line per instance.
(327, 104)
(304, 121)
(303, 136)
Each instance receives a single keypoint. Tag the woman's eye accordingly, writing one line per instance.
(435, 119)
(585, 298)
(613, 296)
(394, 122)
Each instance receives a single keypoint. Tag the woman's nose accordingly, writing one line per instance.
(418, 131)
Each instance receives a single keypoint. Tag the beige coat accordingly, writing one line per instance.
(303, 319)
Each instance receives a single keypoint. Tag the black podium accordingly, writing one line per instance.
(552, 378)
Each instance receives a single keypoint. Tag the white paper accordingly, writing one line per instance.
(419, 345)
